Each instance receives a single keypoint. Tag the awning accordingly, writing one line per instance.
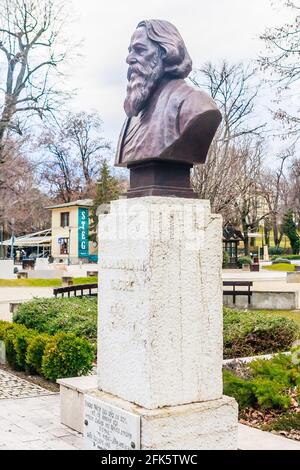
(43, 238)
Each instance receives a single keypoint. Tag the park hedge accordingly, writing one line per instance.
(287, 257)
(53, 356)
(249, 333)
(246, 333)
(56, 315)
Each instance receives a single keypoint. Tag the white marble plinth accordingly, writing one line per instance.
(160, 302)
(72, 391)
(198, 426)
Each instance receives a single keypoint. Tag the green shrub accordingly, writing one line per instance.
(75, 315)
(35, 351)
(17, 340)
(251, 333)
(268, 385)
(275, 250)
(66, 355)
(11, 353)
(225, 259)
(4, 327)
(243, 260)
(239, 389)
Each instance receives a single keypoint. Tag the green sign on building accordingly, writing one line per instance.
(83, 232)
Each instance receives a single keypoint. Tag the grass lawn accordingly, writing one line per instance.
(281, 267)
(43, 282)
(290, 314)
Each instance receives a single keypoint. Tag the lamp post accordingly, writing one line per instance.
(12, 239)
(1, 241)
(69, 247)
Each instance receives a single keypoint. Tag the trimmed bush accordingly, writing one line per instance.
(286, 257)
(66, 355)
(281, 261)
(35, 352)
(243, 260)
(62, 355)
(51, 316)
(16, 341)
(4, 326)
(251, 333)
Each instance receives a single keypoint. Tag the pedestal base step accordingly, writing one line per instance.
(210, 425)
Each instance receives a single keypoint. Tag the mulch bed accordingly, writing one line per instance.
(34, 379)
(258, 419)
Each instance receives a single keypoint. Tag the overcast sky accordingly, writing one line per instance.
(212, 30)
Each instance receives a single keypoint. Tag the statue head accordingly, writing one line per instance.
(156, 51)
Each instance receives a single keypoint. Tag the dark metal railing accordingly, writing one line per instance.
(235, 292)
(77, 291)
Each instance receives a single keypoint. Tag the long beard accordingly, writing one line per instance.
(142, 81)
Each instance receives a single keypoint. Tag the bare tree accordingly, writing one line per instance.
(58, 172)
(282, 60)
(274, 188)
(83, 130)
(76, 150)
(32, 50)
(247, 205)
(20, 196)
(232, 89)
(283, 47)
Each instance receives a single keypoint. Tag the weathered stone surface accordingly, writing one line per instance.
(160, 302)
(198, 426)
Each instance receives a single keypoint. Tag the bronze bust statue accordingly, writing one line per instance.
(170, 124)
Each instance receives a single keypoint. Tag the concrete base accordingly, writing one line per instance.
(44, 274)
(7, 269)
(72, 393)
(266, 300)
(211, 425)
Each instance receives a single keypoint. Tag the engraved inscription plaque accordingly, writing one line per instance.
(108, 427)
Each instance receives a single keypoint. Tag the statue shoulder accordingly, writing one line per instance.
(196, 102)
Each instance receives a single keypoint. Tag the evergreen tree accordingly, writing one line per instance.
(108, 189)
(290, 230)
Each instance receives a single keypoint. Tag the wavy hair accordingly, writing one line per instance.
(177, 61)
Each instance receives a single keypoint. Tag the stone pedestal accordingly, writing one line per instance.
(196, 426)
(160, 321)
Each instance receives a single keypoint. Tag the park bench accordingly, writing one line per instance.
(234, 293)
(77, 291)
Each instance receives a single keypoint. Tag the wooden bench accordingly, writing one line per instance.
(77, 291)
(234, 293)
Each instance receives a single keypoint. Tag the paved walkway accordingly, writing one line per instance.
(30, 420)
(12, 386)
(34, 424)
